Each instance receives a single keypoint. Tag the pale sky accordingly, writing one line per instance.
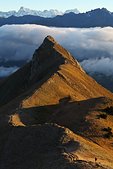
(81, 5)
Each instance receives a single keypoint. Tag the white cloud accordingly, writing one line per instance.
(101, 66)
(93, 47)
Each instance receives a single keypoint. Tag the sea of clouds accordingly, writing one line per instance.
(92, 47)
(5, 71)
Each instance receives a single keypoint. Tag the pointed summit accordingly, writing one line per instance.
(49, 57)
(50, 39)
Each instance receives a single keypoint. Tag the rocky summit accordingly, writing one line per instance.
(54, 116)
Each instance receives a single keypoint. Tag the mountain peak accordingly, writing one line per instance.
(49, 57)
(99, 10)
(49, 39)
(76, 11)
(22, 9)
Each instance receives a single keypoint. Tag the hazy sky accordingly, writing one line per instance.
(82, 5)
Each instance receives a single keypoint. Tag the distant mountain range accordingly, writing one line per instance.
(26, 11)
(94, 18)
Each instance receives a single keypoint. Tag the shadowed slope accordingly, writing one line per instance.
(34, 148)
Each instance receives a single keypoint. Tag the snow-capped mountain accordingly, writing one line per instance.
(76, 11)
(46, 13)
(7, 14)
(26, 11)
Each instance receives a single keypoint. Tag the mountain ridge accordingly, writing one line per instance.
(53, 115)
(26, 11)
(101, 18)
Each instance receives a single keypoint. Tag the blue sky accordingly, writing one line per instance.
(82, 5)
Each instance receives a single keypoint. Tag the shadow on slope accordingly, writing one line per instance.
(36, 147)
(67, 113)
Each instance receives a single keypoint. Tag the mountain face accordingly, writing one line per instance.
(51, 56)
(95, 18)
(26, 11)
(53, 115)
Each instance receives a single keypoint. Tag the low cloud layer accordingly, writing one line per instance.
(101, 66)
(92, 47)
(5, 71)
